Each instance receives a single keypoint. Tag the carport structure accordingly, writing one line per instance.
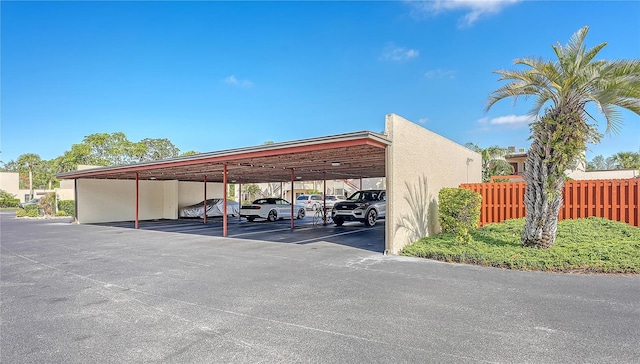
(154, 190)
(353, 155)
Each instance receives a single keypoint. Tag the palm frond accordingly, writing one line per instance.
(613, 118)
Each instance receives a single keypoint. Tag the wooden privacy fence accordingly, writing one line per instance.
(615, 199)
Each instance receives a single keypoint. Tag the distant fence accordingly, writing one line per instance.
(616, 199)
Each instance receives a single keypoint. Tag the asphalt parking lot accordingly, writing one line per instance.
(87, 293)
(306, 231)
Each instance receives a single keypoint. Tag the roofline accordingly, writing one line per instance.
(355, 138)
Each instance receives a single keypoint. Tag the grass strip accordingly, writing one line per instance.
(592, 245)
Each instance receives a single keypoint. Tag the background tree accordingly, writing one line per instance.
(149, 149)
(109, 149)
(600, 163)
(251, 190)
(188, 153)
(560, 134)
(493, 161)
(10, 166)
(101, 149)
(626, 160)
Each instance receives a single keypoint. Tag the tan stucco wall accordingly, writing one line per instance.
(190, 193)
(115, 200)
(170, 197)
(420, 163)
(10, 182)
(65, 193)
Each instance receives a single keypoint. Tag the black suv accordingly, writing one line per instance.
(364, 206)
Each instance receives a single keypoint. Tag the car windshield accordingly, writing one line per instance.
(301, 197)
(363, 196)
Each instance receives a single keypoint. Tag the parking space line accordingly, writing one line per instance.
(258, 232)
(332, 235)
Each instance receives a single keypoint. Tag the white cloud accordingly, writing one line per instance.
(508, 121)
(423, 120)
(398, 54)
(512, 120)
(232, 80)
(440, 73)
(474, 8)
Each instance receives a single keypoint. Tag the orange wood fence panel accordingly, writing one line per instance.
(616, 199)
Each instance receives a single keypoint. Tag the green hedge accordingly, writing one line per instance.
(28, 211)
(68, 206)
(9, 202)
(459, 211)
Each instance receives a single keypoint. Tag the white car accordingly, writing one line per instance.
(271, 209)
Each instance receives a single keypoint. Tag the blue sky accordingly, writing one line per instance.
(219, 75)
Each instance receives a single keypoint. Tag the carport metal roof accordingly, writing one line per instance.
(352, 155)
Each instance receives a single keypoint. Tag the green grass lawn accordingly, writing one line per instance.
(592, 245)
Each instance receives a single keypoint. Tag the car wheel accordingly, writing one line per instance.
(370, 220)
(338, 220)
(272, 216)
(250, 218)
(301, 214)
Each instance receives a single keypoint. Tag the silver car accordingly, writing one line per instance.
(310, 202)
(332, 200)
(215, 208)
(364, 206)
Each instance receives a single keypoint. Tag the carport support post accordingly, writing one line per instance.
(293, 200)
(137, 198)
(324, 194)
(75, 196)
(224, 200)
(239, 199)
(205, 199)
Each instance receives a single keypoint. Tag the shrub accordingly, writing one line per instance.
(459, 212)
(6, 195)
(68, 206)
(28, 211)
(61, 213)
(9, 202)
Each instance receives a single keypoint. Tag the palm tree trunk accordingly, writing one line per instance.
(543, 194)
(31, 181)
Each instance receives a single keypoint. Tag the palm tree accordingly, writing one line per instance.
(560, 134)
(29, 161)
(493, 161)
(626, 160)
